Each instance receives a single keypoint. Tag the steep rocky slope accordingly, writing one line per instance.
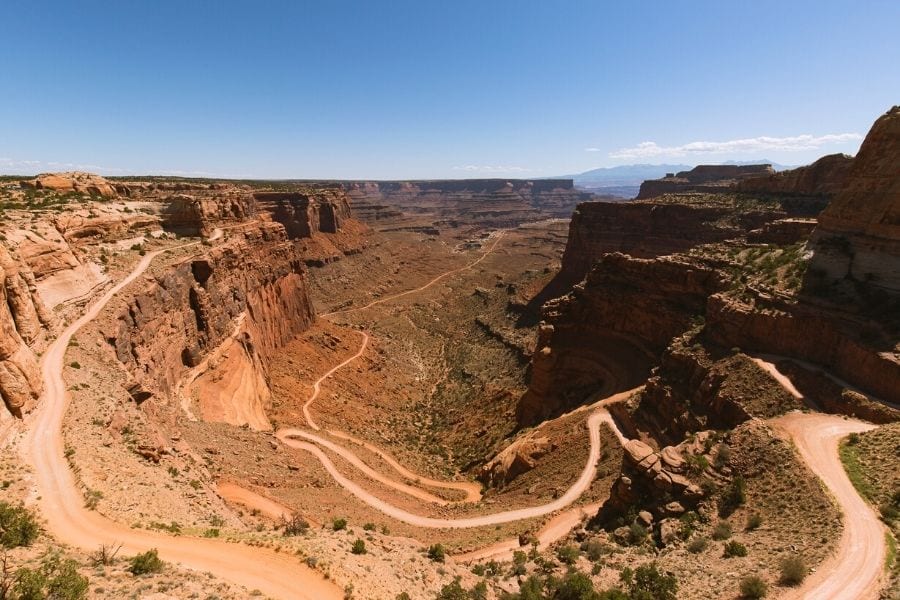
(825, 177)
(858, 238)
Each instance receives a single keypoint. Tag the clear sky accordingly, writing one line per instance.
(422, 88)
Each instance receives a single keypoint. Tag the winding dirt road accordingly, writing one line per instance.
(62, 505)
(855, 571)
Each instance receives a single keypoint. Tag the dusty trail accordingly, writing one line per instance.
(317, 386)
(577, 489)
(62, 505)
(854, 572)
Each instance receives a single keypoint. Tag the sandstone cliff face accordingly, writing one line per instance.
(605, 336)
(858, 237)
(825, 177)
(22, 319)
(305, 213)
(702, 178)
(252, 289)
(200, 212)
(650, 229)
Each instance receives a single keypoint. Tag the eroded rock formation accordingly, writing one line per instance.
(825, 177)
(73, 181)
(858, 237)
(702, 178)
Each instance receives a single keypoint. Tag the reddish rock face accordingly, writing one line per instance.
(22, 317)
(702, 178)
(825, 177)
(605, 336)
(74, 181)
(858, 237)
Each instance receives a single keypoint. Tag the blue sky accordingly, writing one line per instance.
(415, 89)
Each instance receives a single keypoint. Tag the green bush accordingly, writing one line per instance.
(18, 526)
(436, 553)
(594, 550)
(148, 562)
(647, 583)
(359, 547)
(568, 554)
(637, 534)
(369, 527)
(792, 570)
(339, 524)
(55, 579)
(722, 531)
(753, 587)
(733, 496)
(453, 591)
(734, 548)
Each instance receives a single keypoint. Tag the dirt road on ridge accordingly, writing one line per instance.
(60, 502)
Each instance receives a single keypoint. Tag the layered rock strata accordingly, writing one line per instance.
(702, 178)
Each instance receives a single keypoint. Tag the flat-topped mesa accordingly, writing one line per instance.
(702, 178)
(73, 181)
(857, 241)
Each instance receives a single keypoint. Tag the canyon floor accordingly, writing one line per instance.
(286, 402)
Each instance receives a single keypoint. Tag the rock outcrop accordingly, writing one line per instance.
(606, 334)
(202, 211)
(857, 241)
(22, 319)
(825, 177)
(305, 213)
(73, 181)
(519, 457)
(702, 178)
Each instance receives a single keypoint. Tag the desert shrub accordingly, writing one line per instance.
(436, 553)
(296, 525)
(648, 583)
(723, 456)
(148, 562)
(637, 534)
(697, 545)
(453, 591)
(18, 526)
(369, 527)
(792, 570)
(338, 524)
(753, 587)
(519, 560)
(574, 586)
(64, 581)
(359, 547)
(722, 531)
(734, 548)
(568, 554)
(697, 464)
(403, 596)
(753, 522)
(594, 549)
(733, 496)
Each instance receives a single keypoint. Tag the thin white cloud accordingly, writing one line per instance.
(491, 169)
(797, 143)
(593, 150)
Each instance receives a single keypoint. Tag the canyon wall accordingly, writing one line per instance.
(702, 178)
(609, 331)
(421, 205)
(857, 240)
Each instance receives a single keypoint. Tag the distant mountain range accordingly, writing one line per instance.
(625, 180)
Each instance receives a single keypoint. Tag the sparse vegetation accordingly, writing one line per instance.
(698, 545)
(338, 524)
(753, 587)
(733, 496)
(436, 553)
(359, 546)
(146, 563)
(18, 526)
(734, 548)
(722, 531)
(296, 525)
(792, 570)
